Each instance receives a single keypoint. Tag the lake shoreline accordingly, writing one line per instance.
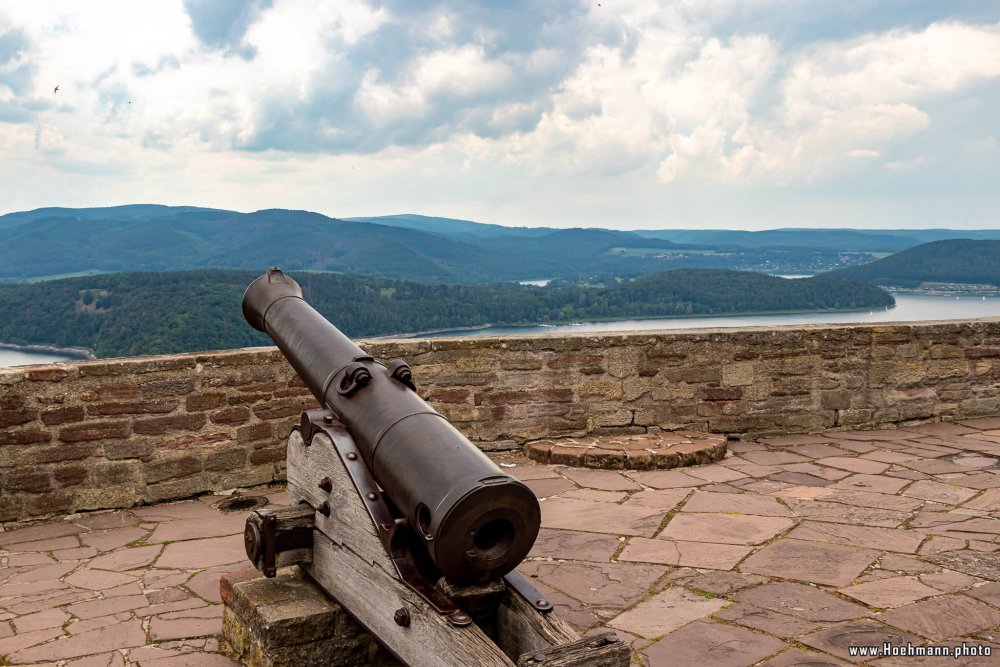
(74, 353)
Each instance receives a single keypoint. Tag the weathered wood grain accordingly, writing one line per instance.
(350, 564)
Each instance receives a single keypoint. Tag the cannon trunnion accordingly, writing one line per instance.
(397, 516)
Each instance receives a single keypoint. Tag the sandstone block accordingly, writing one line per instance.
(161, 425)
(607, 388)
(57, 416)
(25, 436)
(132, 407)
(205, 401)
(113, 430)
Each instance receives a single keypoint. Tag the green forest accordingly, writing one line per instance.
(950, 261)
(156, 313)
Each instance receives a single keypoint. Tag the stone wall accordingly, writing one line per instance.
(117, 432)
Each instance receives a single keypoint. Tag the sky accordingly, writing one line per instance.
(624, 114)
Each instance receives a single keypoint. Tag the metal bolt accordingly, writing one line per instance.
(351, 456)
(326, 484)
(541, 602)
(372, 495)
(538, 657)
(610, 639)
(402, 617)
(324, 509)
(328, 419)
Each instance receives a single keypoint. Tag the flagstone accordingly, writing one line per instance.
(840, 638)
(574, 545)
(595, 495)
(905, 564)
(720, 582)
(767, 620)
(120, 635)
(772, 457)
(664, 479)
(713, 473)
(206, 552)
(98, 608)
(28, 558)
(127, 559)
(665, 612)
(975, 461)
(688, 554)
(871, 484)
(988, 501)
(548, 487)
(840, 513)
(988, 592)
(40, 573)
(854, 464)
(106, 520)
(186, 509)
(599, 584)
(800, 479)
(892, 592)
(886, 539)
(604, 480)
(948, 581)
(711, 643)
(933, 467)
(885, 501)
(192, 529)
(197, 622)
(52, 544)
(41, 620)
(943, 617)
(24, 640)
(816, 562)
(817, 451)
(109, 540)
(97, 580)
(937, 544)
(742, 503)
(585, 515)
(47, 531)
(940, 493)
(662, 500)
(801, 601)
(724, 528)
(813, 470)
(748, 468)
(796, 657)
(887, 457)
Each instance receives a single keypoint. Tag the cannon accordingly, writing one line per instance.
(397, 515)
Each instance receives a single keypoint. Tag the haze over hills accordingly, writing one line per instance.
(950, 261)
(55, 242)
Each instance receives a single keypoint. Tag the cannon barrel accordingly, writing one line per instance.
(477, 522)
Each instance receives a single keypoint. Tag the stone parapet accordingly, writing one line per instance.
(118, 432)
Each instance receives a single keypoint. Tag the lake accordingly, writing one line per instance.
(909, 308)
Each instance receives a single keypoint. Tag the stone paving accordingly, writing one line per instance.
(789, 551)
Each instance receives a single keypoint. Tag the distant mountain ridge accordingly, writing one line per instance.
(62, 242)
(965, 261)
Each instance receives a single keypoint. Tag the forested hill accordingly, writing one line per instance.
(951, 261)
(157, 313)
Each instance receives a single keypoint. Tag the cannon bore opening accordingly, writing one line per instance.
(493, 539)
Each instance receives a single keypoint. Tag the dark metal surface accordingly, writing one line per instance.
(523, 587)
(394, 531)
(477, 522)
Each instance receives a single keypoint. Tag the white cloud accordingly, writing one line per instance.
(661, 100)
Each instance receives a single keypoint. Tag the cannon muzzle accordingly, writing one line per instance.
(476, 521)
